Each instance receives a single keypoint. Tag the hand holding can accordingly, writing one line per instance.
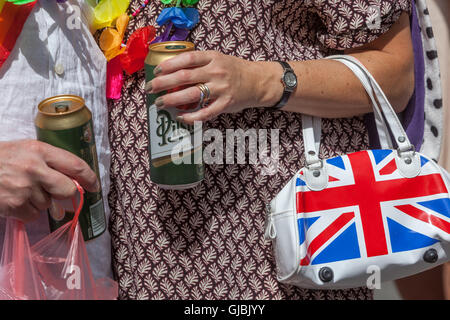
(166, 133)
(66, 122)
(33, 172)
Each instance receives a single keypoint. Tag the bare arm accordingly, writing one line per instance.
(326, 88)
(329, 89)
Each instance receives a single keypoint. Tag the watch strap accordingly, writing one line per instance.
(286, 94)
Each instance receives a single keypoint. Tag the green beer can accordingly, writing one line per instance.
(65, 122)
(175, 152)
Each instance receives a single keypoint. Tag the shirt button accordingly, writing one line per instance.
(59, 69)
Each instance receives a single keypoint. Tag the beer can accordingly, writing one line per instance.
(175, 151)
(65, 122)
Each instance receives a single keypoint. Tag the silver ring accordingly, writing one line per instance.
(208, 92)
(205, 94)
(202, 100)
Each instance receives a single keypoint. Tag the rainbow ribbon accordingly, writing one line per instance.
(13, 15)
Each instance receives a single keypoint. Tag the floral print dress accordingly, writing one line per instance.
(208, 242)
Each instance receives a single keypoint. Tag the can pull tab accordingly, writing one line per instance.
(61, 108)
(270, 232)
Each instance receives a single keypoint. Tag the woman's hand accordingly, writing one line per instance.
(233, 83)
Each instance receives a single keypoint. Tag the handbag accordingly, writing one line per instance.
(339, 220)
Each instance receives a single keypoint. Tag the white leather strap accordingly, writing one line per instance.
(311, 128)
(383, 132)
(408, 161)
(384, 107)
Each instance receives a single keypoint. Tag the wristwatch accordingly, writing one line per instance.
(289, 81)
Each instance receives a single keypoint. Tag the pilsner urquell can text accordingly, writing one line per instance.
(171, 169)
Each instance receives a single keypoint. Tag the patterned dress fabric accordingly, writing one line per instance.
(208, 242)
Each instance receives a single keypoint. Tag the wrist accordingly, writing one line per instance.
(269, 88)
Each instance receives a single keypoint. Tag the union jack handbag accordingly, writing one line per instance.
(340, 219)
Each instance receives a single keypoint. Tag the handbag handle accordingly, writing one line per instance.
(382, 128)
(384, 113)
(386, 119)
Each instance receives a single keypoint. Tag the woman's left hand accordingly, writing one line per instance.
(233, 83)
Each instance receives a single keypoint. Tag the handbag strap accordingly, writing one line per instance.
(384, 107)
(312, 129)
(382, 128)
(315, 173)
(385, 114)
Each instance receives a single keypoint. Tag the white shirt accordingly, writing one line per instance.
(56, 54)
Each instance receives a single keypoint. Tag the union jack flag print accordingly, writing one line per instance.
(372, 210)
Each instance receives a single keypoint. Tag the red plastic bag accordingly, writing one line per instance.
(19, 279)
(55, 268)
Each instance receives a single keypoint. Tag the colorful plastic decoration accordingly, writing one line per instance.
(131, 58)
(137, 49)
(111, 38)
(13, 15)
(185, 3)
(107, 11)
(114, 79)
(20, 2)
(184, 18)
(180, 19)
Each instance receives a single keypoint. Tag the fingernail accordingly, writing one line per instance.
(180, 118)
(159, 102)
(148, 86)
(157, 71)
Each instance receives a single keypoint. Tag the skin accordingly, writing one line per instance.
(326, 88)
(33, 172)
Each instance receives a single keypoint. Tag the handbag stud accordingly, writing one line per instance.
(326, 274)
(430, 256)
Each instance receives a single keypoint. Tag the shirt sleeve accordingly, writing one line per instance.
(353, 23)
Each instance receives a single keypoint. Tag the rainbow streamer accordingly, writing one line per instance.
(12, 19)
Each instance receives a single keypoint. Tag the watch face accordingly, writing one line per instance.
(290, 80)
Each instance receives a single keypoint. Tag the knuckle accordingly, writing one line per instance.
(155, 84)
(193, 95)
(226, 87)
(219, 72)
(16, 203)
(213, 54)
(190, 58)
(228, 101)
(169, 100)
(30, 166)
(33, 146)
(80, 167)
(184, 75)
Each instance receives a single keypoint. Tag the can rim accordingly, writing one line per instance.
(161, 46)
(65, 97)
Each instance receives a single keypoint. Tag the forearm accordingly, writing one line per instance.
(327, 88)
